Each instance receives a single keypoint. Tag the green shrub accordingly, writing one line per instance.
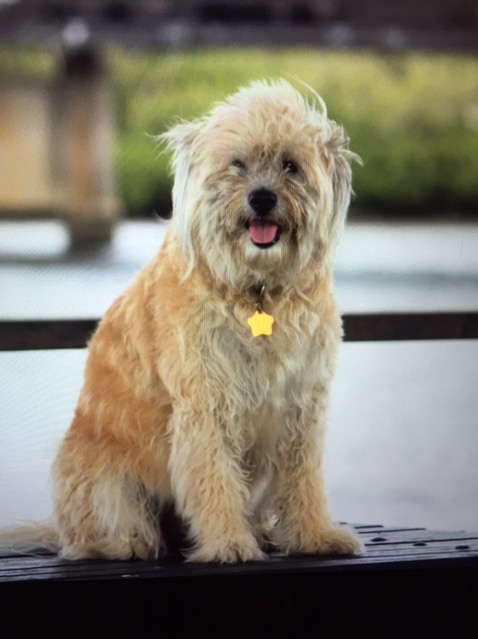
(412, 117)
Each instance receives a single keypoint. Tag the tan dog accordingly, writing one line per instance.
(207, 381)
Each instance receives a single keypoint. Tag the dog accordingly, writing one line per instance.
(207, 382)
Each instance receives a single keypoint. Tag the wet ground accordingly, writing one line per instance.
(403, 436)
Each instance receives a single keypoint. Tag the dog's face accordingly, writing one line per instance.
(262, 186)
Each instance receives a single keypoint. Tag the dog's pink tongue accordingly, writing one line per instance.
(262, 232)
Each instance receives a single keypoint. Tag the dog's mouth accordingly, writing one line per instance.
(263, 233)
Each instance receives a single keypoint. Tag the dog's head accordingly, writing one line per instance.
(262, 185)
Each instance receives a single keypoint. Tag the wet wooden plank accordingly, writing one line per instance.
(385, 548)
(395, 584)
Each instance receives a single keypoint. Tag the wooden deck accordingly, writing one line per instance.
(409, 578)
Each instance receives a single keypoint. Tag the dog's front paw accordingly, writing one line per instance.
(333, 540)
(228, 552)
(339, 540)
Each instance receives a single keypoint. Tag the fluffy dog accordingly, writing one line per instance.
(207, 381)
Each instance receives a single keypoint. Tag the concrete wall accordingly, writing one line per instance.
(25, 167)
(56, 149)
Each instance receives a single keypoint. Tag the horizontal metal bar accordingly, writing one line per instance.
(30, 335)
(56, 334)
(410, 326)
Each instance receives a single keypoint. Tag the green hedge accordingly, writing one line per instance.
(412, 117)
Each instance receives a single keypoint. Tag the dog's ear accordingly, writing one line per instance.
(179, 139)
(341, 158)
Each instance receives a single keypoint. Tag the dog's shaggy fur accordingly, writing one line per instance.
(181, 403)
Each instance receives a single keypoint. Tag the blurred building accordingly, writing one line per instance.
(112, 15)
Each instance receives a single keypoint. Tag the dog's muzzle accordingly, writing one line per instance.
(262, 201)
(263, 231)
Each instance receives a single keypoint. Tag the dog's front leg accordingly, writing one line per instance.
(210, 489)
(299, 497)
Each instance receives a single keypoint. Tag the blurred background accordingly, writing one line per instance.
(85, 85)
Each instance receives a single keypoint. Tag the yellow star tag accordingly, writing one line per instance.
(260, 323)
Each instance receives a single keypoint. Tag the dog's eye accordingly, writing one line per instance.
(238, 164)
(289, 167)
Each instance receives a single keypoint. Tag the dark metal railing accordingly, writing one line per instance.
(74, 333)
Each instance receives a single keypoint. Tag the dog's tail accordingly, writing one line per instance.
(29, 538)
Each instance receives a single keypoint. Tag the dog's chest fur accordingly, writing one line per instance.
(267, 381)
(268, 373)
(260, 370)
(211, 345)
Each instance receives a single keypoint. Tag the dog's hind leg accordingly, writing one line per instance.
(112, 518)
(102, 511)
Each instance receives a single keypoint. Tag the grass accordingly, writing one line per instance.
(412, 117)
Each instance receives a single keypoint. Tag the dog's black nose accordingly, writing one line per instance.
(262, 201)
